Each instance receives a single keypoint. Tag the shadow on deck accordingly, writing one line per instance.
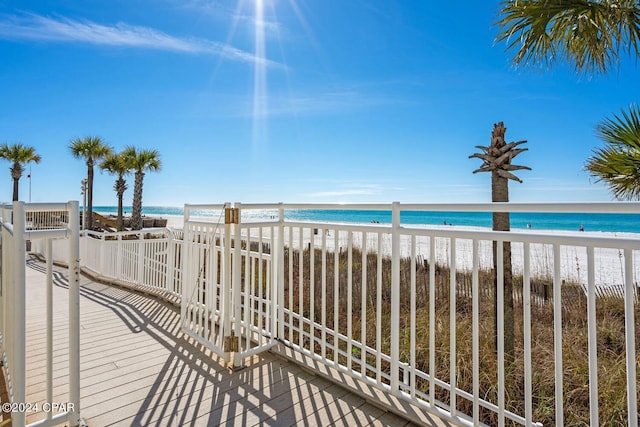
(137, 368)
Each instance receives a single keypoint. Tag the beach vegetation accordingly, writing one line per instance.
(140, 161)
(496, 158)
(91, 149)
(19, 155)
(362, 291)
(116, 164)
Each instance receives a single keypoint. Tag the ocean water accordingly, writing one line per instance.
(538, 221)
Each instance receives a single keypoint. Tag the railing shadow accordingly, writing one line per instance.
(192, 387)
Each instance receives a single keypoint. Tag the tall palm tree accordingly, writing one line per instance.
(116, 164)
(140, 162)
(19, 155)
(618, 163)
(497, 159)
(590, 35)
(91, 149)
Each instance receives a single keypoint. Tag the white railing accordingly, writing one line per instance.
(205, 304)
(42, 223)
(148, 259)
(404, 308)
(372, 323)
(239, 318)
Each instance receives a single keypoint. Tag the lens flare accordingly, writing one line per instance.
(259, 81)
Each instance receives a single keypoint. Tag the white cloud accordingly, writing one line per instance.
(41, 28)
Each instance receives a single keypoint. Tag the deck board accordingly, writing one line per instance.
(138, 369)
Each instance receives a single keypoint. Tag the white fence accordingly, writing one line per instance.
(239, 318)
(148, 259)
(41, 223)
(372, 323)
(365, 299)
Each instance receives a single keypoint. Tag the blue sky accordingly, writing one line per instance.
(292, 100)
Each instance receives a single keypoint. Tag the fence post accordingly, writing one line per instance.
(395, 296)
(279, 258)
(630, 346)
(18, 362)
(171, 262)
(74, 312)
(187, 266)
(186, 271)
(3, 276)
(557, 335)
(118, 273)
(140, 275)
(103, 252)
(225, 306)
(236, 282)
(49, 292)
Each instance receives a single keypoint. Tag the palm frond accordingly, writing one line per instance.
(142, 160)
(507, 175)
(618, 163)
(89, 148)
(622, 130)
(590, 35)
(19, 153)
(497, 157)
(115, 164)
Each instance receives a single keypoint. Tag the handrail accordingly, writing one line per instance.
(571, 207)
(266, 254)
(48, 226)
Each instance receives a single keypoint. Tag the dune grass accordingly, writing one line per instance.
(610, 327)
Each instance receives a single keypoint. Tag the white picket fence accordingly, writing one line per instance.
(249, 281)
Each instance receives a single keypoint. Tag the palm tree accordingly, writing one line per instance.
(618, 163)
(590, 35)
(19, 155)
(140, 161)
(116, 164)
(497, 159)
(91, 149)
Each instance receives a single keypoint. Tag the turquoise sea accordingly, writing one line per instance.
(537, 221)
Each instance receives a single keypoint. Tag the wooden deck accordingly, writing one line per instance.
(138, 369)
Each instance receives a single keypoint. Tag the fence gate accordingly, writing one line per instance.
(228, 294)
(38, 222)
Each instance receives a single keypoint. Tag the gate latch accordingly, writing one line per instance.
(231, 216)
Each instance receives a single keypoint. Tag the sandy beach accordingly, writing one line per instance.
(174, 221)
(608, 267)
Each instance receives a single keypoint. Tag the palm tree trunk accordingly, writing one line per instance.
(89, 195)
(119, 219)
(136, 209)
(15, 189)
(16, 173)
(120, 187)
(501, 222)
